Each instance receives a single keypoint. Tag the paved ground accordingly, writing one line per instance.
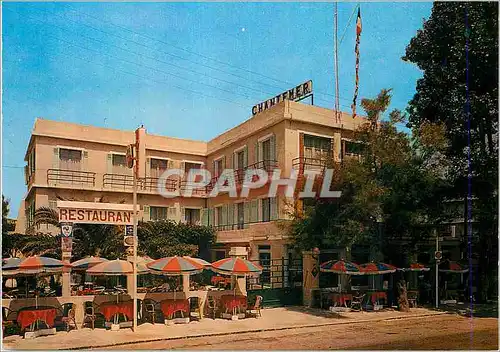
(292, 328)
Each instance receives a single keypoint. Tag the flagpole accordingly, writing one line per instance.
(337, 104)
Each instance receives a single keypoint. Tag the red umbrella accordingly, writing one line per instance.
(377, 268)
(176, 266)
(236, 266)
(449, 266)
(415, 267)
(341, 267)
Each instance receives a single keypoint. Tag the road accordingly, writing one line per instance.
(451, 332)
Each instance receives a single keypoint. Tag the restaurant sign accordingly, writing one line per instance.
(297, 93)
(95, 213)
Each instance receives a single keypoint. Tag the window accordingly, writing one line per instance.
(192, 216)
(240, 160)
(119, 163)
(158, 213)
(158, 167)
(218, 167)
(266, 209)
(70, 159)
(189, 166)
(353, 148)
(317, 147)
(265, 262)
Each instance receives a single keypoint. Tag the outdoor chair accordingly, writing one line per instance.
(212, 306)
(194, 307)
(90, 313)
(357, 302)
(412, 300)
(150, 307)
(7, 320)
(255, 308)
(68, 317)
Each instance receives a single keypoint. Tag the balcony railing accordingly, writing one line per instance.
(70, 177)
(304, 163)
(241, 225)
(126, 182)
(150, 184)
(118, 181)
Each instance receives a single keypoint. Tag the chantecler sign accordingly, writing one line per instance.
(97, 213)
(297, 93)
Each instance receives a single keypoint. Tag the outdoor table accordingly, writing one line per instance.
(110, 309)
(377, 295)
(170, 306)
(232, 303)
(340, 298)
(30, 315)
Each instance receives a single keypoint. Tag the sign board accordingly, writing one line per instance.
(128, 241)
(297, 93)
(438, 255)
(129, 230)
(66, 245)
(66, 229)
(95, 213)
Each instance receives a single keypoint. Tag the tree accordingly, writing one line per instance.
(392, 185)
(11, 242)
(166, 238)
(457, 50)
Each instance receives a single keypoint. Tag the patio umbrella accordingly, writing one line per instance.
(449, 266)
(87, 262)
(377, 268)
(341, 267)
(34, 265)
(236, 267)
(176, 266)
(200, 261)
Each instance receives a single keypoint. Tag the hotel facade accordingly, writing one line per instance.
(79, 163)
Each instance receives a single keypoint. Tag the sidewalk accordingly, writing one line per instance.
(272, 319)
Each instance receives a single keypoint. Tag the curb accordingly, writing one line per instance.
(174, 338)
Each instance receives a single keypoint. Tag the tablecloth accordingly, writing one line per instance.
(218, 279)
(27, 317)
(110, 309)
(230, 302)
(376, 295)
(340, 298)
(170, 306)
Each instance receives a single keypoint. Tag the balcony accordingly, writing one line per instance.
(246, 232)
(303, 163)
(70, 177)
(126, 182)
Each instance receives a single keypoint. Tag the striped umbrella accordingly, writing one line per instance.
(175, 266)
(377, 268)
(341, 267)
(449, 266)
(87, 262)
(33, 265)
(115, 268)
(236, 266)
(415, 267)
(200, 261)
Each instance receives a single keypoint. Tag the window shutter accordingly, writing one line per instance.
(224, 162)
(246, 212)
(224, 215)
(254, 215)
(230, 216)
(214, 169)
(272, 142)
(146, 215)
(256, 151)
(204, 216)
(245, 156)
(183, 215)
(85, 155)
(211, 217)
(55, 158)
(274, 208)
(233, 161)
(109, 168)
(148, 167)
(26, 175)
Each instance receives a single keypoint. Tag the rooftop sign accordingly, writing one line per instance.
(300, 92)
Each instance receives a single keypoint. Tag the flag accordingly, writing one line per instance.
(356, 51)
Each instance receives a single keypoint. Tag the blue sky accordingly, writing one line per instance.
(188, 70)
